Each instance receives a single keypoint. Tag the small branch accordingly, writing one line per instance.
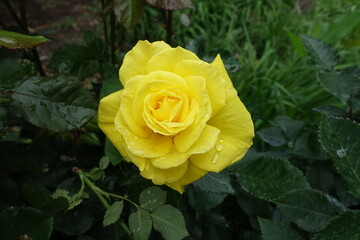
(168, 23)
(6, 92)
(104, 20)
(23, 18)
(100, 194)
(112, 37)
(13, 14)
(38, 62)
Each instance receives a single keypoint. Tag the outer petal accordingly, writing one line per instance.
(193, 173)
(169, 58)
(126, 109)
(108, 109)
(162, 176)
(220, 66)
(204, 143)
(215, 83)
(237, 131)
(136, 59)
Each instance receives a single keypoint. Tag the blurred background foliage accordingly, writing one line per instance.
(46, 140)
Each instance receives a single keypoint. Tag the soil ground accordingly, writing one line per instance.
(62, 21)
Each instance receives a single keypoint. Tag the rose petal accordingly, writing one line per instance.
(185, 139)
(162, 176)
(204, 143)
(220, 66)
(193, 173)
(153, 82)
(127, 98)
(237, 131)
(155, 145)
(135, 60)
(108, 109)
(169, 58)
(215, 83)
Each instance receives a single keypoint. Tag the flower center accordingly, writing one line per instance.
(167, 111)
(164, 107)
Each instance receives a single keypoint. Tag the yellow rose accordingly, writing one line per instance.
(177, 117)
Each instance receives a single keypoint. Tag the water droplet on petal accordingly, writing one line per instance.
(215, 158)
(135, 138)
(219, 147)
(221, 140)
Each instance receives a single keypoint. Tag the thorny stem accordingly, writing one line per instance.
(100, 194)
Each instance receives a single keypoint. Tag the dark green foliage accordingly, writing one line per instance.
(270, 178)
(340, 138)
(277, 231)
(56, 180)
(344, 227)
(58, 104)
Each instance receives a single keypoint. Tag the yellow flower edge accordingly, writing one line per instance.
(177, 117)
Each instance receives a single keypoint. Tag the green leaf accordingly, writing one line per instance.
(215, 183)
(112, 153)
(58, 104)
(90, 138)
(344, 227)
(15, 40)
(269, 178)
(111, 83)
(112, 214)
(128, 12)
(296, 43)
(48, 205)
(104, 163)
(151, 198)
(324, 55)
(340, 138)
(342, 27)
(81, 60)
(202, 200)
(74, 222)
(140, 225)
(169, 221)
(171, 4)
(308, 146)
(3, 119)
(13, 70)
(273, 136)
(274, 230)
(310, 209)
(17, 221)
(342, 84)
(73, 200)
(9, 193)
(290, 127)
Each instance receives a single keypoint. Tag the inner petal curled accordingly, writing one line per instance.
(169, 111)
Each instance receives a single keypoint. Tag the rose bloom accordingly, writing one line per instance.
(177, 117)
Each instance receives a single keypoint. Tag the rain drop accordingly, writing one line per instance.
(341, 152)
(221, 140)
(215, 158)
(135, 138)
(219, 148)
